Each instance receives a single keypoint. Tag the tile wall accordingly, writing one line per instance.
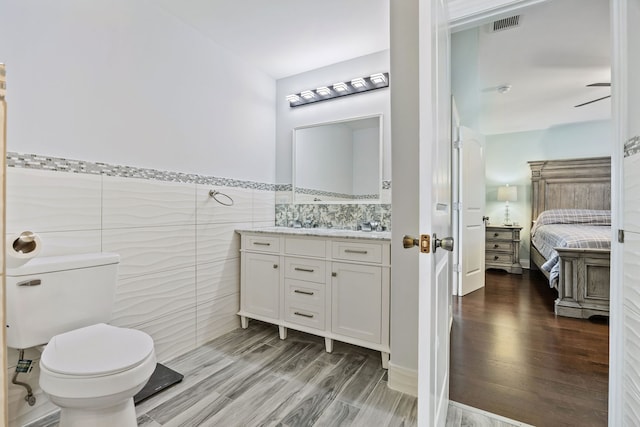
(344, 216)
(179, 270)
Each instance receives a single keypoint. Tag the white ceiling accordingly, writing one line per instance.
(560, 46)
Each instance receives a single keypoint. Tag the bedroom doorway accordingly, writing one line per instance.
(511, 143)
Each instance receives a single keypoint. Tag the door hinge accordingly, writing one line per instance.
(457, 144)
(621, 236)
(457, 206)
(456, 268)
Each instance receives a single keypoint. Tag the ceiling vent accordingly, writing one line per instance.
(506, 23)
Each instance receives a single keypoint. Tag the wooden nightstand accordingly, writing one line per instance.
(502, 248)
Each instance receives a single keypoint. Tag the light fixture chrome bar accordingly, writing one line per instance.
(339, 89)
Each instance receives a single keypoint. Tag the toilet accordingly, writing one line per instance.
(90, 369)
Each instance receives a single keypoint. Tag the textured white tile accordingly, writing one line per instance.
(632, 193)
(631, 381)
(217, 279)
(631, 260)
(152, 249)
(218, 241)
(210, 211)
(129, 202)
(264, 206)
(43, 201)
(69, 242)
(217, 317)
(142, 299)
(173, 335)
(263, 224)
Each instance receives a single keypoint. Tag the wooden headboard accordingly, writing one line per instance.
(570, 184)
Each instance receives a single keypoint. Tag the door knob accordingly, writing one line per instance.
(409, 242)
(445, 243)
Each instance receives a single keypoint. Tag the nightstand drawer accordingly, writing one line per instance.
(499, 235)
(498, 246)
(498, 258)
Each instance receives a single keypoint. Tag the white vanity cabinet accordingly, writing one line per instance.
(335, 286)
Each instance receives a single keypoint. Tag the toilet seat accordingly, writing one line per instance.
(96, 350)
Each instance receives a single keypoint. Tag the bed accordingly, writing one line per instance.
(569, 194)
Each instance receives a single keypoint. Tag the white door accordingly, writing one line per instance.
(435, 268)
(624, 400)
(471, 198)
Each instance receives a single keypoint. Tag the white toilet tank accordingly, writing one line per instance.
(51, 295)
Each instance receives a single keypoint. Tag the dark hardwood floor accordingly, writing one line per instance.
(512, 356)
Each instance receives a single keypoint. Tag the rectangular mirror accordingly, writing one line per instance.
(338, 162)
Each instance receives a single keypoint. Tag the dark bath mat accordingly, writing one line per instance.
(161, 379)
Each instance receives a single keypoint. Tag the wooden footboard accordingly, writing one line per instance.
(583, 284)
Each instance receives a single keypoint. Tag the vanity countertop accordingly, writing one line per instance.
(320, 232)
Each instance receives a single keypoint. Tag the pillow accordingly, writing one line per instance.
(574, 216)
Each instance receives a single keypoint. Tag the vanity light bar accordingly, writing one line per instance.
(323, 93)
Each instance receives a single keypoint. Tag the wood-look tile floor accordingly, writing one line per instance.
(252, 378)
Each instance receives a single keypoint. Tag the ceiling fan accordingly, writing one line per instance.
(599, 99)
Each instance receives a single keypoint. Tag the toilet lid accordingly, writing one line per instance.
(96, 350)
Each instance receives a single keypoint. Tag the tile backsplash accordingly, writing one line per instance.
(344, 216)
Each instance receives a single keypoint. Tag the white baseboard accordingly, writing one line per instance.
(403, 379)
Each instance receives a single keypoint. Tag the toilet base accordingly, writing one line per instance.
(121, 415)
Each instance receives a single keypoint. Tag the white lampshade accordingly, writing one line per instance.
(507, 193)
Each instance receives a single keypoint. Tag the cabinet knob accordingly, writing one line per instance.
(334, 274)
(496, 234)
(275, 265)
(496, 257)
(496, 246)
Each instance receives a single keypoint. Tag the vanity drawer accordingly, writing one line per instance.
(498, 246)
(362, 252)
(499, 235)
(304, 315)
(305, 247)
(256, 242)
(306, 294)
(310, 270)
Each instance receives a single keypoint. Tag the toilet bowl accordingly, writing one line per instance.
(92, 374)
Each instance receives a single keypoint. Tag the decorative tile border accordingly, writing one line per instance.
(632, 146)
(331, 195)
(58, 164)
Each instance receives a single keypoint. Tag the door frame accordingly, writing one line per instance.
(468, 13)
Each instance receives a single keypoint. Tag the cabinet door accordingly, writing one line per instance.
(356, 301)
(260, 293)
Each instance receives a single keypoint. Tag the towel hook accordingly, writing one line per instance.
(215, 195)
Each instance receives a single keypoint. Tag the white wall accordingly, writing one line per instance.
(123, 82)
(365, 104)
(465, 78)
(506, 163)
